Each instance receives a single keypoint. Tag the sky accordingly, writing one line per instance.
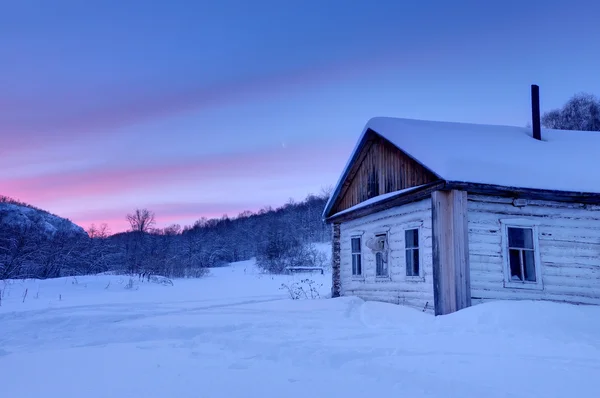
(199, 109)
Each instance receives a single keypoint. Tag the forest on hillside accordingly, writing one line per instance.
(276, 237)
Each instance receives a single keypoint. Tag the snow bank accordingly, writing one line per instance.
(235, 334)
(241, 280)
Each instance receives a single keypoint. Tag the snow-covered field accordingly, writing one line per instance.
(236, 334)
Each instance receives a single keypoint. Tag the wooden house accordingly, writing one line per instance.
(439, 216)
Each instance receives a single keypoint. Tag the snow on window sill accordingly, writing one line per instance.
(523, 285)
(383, 279)
(414, 278)
(358, 278)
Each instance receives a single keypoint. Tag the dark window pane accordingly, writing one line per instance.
(373, 184)
(411, 238)
(381, 268)
(528, 235)
(515, 265)
(412, 262)
(355, 245)
(409, 262)
(520, 238)
(529, 265)
(359, 265)
(515, 237)
(415, 253)
(381, 241)
(356, 266)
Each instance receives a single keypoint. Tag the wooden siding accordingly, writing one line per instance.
(568, 242)
(452, 291)
(392, 169)
(416, 292)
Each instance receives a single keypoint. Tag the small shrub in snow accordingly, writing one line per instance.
(129, 284)
(304, 289)
(160, 280)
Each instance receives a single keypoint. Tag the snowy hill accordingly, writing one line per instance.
(236, 333)
(35, 243)
(24, 217)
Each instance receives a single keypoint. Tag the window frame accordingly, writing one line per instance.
(523, 224)
(360, 276)
(386, 259)
(419, 276)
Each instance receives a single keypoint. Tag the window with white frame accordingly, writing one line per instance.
(356, 257)
(521, 254)
(411, 245)
(381, 263)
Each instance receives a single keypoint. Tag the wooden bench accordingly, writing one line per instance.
(292, 270)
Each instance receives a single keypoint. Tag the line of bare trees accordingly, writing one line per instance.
(172, 251)
(25, 252)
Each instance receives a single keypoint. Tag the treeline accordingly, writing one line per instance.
(189, 251)
(27, 251)
(580, 112)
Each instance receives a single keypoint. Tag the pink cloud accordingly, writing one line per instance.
(86, 183)
(166, 214)
(293, 165)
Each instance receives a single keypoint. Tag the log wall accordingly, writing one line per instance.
(568, 243)
(416, 292)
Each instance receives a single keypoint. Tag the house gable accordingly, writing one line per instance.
(378, 167)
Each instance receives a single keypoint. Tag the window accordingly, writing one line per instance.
(381, 263)
(356, 257)
(521, 255)
(372, 184)
(411, 244)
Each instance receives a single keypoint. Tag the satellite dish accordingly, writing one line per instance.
(376, 243)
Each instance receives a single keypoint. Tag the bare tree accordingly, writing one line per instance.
(103, 231)
(326, 191)
(142, 220)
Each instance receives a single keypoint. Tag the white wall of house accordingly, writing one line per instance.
(397, 287)
(567, 250)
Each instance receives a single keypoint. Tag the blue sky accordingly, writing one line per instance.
(200, 108)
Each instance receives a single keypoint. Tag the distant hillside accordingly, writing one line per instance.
(35, 243)
(15, 214)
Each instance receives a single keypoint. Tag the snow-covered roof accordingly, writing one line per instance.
(379, 198)
(489, 154)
